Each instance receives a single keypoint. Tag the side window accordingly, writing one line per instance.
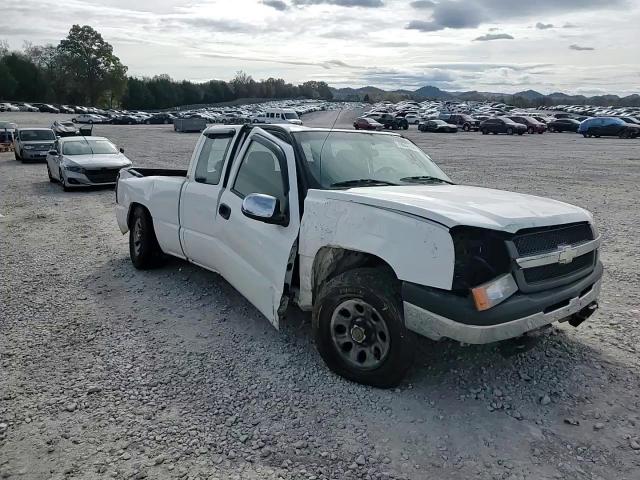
(211, 159)
(260, 172)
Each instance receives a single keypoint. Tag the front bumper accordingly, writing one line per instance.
(438, 314)
(34, 155)
(77, 179)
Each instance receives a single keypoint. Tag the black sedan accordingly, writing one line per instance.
(159, 119)
(125, 120)
(502, 125)
(563, 125)
(437, 126)
(45, 107)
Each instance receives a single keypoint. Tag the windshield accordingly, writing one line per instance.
(291, 115)
(88, 147)
(36, 135)
(341, 157)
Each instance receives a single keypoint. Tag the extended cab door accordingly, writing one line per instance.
(200, 196)
(258, 256)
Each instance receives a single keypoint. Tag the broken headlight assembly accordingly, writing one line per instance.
(482, 266)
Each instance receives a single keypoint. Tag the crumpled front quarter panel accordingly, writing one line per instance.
(418, 250)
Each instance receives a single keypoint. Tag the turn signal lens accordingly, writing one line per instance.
(494, 292)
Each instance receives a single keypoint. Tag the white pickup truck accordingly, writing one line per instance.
(365, 231)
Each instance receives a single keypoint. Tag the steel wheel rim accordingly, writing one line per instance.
(360, 334)
(137, 235)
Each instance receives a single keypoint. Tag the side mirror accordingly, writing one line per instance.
(121, 150)
(263, 208)
(53, 152)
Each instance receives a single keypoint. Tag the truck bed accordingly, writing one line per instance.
(153, 172)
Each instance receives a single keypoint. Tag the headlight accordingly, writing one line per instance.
(74, 168)
(28, 147)
(494, 292)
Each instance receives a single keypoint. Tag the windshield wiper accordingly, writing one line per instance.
(425, 179)
(368, 182)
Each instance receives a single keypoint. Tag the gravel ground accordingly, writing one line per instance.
(109, 372)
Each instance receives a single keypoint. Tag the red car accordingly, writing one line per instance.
(364, 123)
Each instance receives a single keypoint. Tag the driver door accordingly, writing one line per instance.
(258, 257)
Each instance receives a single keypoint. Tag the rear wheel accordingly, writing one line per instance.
(509, 131)
(484, 132)
(466, 127)
(359, 329)
(51, 179)
(144, 249)
(15, 154)
(530, 130)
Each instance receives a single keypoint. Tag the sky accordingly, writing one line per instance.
(574, 46)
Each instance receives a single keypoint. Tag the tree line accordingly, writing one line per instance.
(83, 70)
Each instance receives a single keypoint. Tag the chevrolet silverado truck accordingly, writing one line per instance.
(365, 231)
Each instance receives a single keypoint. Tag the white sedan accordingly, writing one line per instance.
(85, 161)
(89, 118)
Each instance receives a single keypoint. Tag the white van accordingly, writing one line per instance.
(278, 115)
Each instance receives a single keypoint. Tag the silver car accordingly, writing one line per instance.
(33, 143)
(85, 161)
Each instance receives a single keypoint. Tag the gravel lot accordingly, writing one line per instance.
(109, 372)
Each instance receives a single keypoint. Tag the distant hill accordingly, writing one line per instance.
(525, 98)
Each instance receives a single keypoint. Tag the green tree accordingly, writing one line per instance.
(8, 83)
(90, 60)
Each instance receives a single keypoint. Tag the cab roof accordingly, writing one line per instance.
(289, 127)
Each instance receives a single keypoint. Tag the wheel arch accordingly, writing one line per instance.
(331, 261)
(132, 207)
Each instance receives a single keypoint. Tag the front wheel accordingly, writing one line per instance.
(51, 179)
(509, 131)
(63, 181)
(530, 130)
(359, 328)
(144, 249)
(466, 127)
(484, 132)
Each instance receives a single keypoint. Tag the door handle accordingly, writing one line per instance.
(224, 210)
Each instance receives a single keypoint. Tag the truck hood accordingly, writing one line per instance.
(453, 205)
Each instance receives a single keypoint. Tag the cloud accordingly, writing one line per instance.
(580, 48)
(341, 3)
(458, 14)
(493, 36)
(277, 4)
(544, 26)
(212, 24)
(423, 4)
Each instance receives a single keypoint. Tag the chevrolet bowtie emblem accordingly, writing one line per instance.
(566, 254)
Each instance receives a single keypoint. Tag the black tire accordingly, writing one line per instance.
(551, 130)
(530, 130)
(509, 131)
(466, 127)
(147, 122)
(584, 135)
(520, 133)
(17, 155)
(379, 292)
(51, 179)
(144, 249)
(63, 182)
(405, 126)
(484, 132)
